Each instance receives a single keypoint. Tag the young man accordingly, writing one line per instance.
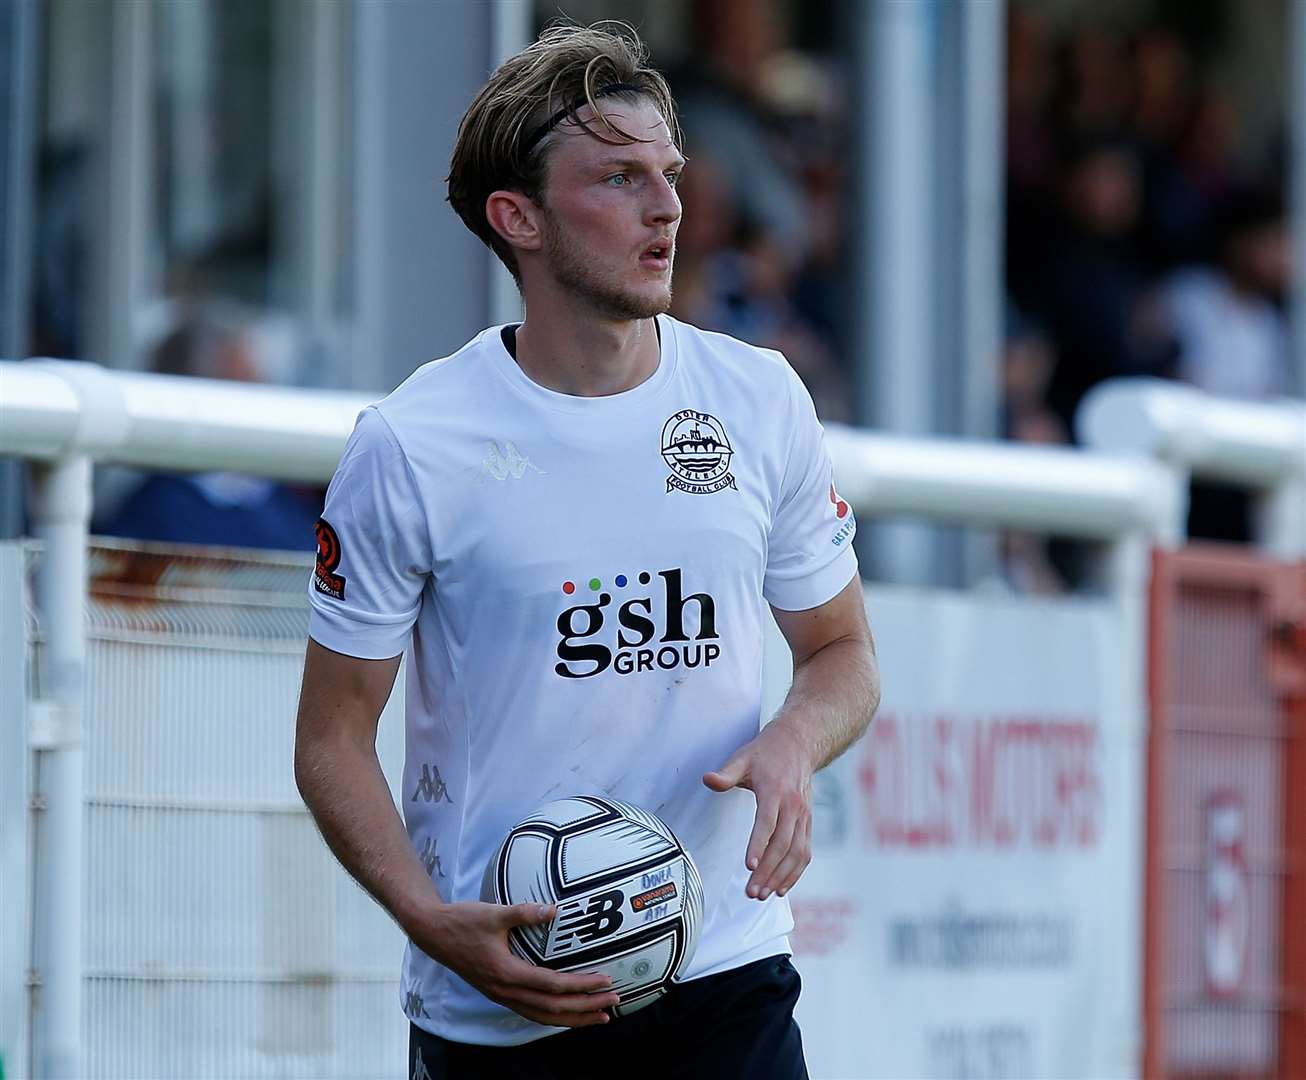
(572, 526)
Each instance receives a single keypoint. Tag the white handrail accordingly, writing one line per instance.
(1252, 442)
(56, 409)
(1004, 485)
(50, 409)
(1261, 445)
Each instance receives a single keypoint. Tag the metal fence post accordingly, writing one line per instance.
(61, 509)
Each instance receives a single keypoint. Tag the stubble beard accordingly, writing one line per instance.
(577, 275)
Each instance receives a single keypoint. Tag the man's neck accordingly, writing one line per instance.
(584, 355)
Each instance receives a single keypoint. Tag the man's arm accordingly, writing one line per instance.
(340, 778)
(835, 692)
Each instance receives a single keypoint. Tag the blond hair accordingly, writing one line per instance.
(503, 138)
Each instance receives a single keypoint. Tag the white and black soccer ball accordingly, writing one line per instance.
(630, 901)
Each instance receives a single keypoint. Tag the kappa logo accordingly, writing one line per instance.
(698, 452)
(414, 1003)
(431, 859)
(506, 462)
(431, 788)
(328, 558)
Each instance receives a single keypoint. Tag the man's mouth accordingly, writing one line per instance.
(657, 256)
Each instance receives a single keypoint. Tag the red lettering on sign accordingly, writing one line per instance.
(943, 781)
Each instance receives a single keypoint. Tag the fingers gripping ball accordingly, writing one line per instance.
(628, 895)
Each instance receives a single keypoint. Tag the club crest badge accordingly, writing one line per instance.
(698, 453)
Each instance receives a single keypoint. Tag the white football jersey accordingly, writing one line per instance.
(580, 585)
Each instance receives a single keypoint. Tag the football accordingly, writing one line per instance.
(628, 895)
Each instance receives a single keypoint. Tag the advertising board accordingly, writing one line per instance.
(972, 907)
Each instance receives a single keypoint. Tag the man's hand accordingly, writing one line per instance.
(472, 939)
(777, 769)
(835, 691)
(341, 780)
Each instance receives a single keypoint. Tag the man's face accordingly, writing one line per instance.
(1106, 192)
(611, 213)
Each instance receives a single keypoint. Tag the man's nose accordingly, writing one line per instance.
(664, 204)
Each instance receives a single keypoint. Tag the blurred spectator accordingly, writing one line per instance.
(1028, 361)
(808, 103)
(1176, 214)
(759, 250)
(1094, 85)
(1233, 337)
(1031, 150)
(59, 253)
(720, 102)
(736, 280)
(1131, 236)
(1163, 87)
(1087, 281)
(216, 508)
(1189, 181)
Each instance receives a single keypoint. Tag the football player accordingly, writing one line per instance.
(573, 529)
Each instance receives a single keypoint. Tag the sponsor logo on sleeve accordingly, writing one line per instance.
(325, 580)
(698, 452)
(844, 513)
(840, 507)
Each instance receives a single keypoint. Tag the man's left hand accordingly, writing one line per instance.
(776, 767)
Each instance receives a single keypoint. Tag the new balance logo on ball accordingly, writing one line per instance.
(638, 645)
(582, 921)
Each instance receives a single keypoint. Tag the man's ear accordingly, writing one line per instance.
(516, 218)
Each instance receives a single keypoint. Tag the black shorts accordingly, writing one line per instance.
(739, 1023)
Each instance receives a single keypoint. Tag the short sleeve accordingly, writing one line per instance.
(809, 549)
(373, 548)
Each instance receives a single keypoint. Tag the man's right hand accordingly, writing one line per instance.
(340, 778)
(472, 939)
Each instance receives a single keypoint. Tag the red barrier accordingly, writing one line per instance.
(1225, 922)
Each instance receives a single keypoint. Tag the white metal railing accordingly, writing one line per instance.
(64, 416)
(55, 409)
(1261, 445)
(1006, 485)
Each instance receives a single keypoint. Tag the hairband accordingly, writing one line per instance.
(562, 114)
